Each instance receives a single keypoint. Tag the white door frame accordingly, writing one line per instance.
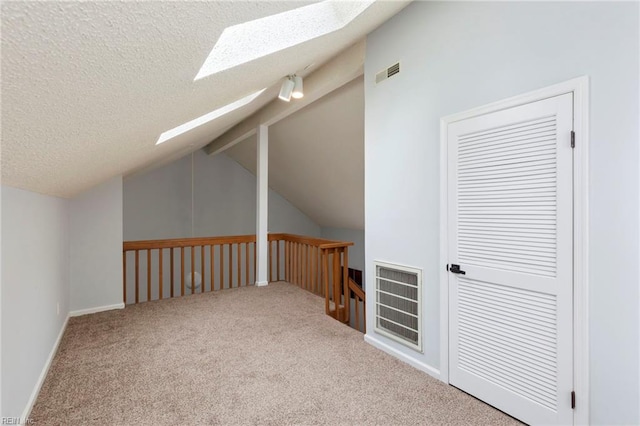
(580, 89)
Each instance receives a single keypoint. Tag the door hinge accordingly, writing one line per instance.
(573, 400)
(573, 139)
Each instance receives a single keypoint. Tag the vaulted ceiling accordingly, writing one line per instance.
(316, 158)
(88, 87)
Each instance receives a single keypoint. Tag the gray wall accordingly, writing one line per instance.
(96, 247)
(35, 278)
(356, 253)
(456, 56)
(157, 204)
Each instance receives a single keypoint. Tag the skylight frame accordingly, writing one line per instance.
(251, 40)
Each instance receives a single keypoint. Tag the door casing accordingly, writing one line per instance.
(580, 89)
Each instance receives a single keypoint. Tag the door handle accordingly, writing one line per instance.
(456, 269)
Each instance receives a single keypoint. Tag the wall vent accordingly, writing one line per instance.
(399, 304)
(388, 72)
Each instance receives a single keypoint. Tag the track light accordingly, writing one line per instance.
(287, 89)
(291, 87)
(297, 88)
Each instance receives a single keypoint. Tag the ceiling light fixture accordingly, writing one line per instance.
(297, 89)
(287, 89)
(291, 87)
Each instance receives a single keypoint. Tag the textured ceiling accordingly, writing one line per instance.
(316, 158)
(87, 87)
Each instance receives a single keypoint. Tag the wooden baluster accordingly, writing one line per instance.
(345, 283)
(137, 276)
(364, 314)
(296, 263)
(181, 271)
(211, 252)
(308, 261)
(337, 293)
(160, 292)
(269, 266)
(299, 264)
(202, 265)
(278, 260)
(313, 270)
(306, 267)
(124, 277)
(239, 265)
(325, 277)
(230, 265)
(319, 273)
(246, 262)
(303, 266)
(148, 275)
(357, 313)
(193, 270)
(287, 260)
(172, 271)
(221, 266)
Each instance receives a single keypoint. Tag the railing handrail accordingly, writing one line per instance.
(186, 242)
(231, 239)
(356, 289)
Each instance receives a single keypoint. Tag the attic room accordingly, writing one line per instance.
(320, 212)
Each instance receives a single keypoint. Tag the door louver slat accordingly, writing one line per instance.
(538, 332)
(480, 154)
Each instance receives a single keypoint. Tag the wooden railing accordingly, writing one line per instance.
(176, 267)
(320, 266)
(212, 263)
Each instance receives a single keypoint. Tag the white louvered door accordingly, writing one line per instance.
(511, 232)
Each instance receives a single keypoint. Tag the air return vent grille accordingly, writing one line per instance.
(398, 304)
(389, 72)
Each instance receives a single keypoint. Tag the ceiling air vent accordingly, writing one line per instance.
(389, 72)
(398, 304)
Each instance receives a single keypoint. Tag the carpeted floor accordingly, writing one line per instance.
(244, 356)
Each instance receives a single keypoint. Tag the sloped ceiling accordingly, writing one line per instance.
(316, 158)
(87, 87)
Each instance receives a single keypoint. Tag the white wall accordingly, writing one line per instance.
(356, 252)
(157, 204)
(35, 279)
(96, 247)
(456, 56)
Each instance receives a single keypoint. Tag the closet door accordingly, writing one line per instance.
(510, 246)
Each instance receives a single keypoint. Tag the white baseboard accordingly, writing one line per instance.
(376, 342)
(96, 309)
(43, 374)
(262, 283)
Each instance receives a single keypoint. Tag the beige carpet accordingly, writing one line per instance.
(244, 356)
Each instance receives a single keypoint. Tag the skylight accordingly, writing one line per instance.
(251, 40)
(184, 128)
